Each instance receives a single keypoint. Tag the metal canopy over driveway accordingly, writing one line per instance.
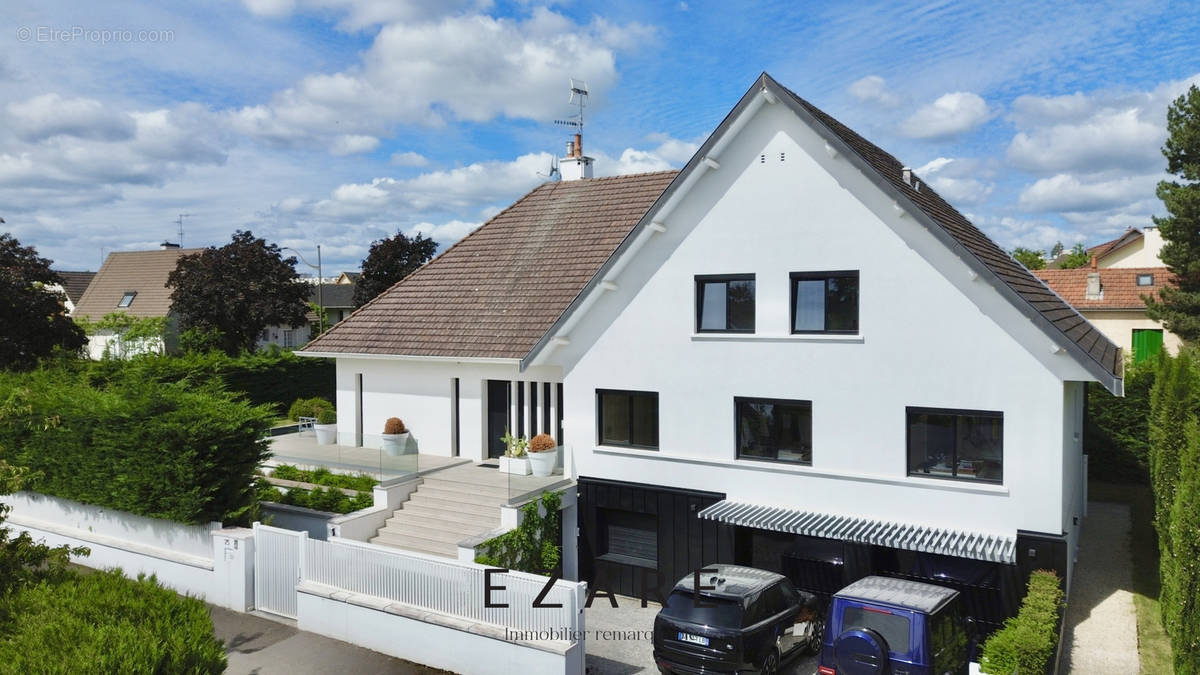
(992, 547)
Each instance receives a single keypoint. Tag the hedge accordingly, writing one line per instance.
(106, 623)
(331, 500)
(1026, 643)
(177, 451)
(1117, 427)
(271, 377)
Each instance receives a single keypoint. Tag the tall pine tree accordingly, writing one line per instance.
(1179, 307)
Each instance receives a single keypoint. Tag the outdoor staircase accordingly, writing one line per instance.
(442, 512)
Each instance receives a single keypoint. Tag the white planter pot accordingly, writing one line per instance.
(515, 465)
(326, 433)
(542, 463)
(394, 444)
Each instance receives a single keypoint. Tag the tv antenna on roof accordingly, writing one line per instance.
(553, 173)
(579, 94)
(179, 222)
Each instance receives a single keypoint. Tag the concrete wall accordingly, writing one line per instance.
(932, 334)
(1118, 327)
(419, 392)
(298, 518)
(213, 563)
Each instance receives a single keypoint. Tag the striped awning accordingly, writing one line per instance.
(988, 546)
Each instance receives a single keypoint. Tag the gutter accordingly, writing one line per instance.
(412, 357)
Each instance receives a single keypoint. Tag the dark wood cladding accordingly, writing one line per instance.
(685, 543)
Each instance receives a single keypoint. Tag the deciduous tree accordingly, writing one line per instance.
(1031, 259)
(389, 261)
(33, 320)
(235, 291)
(1178, 307)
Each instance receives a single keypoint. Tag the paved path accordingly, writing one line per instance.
(265, 647)
(1101, 625)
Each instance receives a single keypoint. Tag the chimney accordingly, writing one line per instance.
(906, 175)
(570, 148)
(578, 145)
(1094, 290)
(575, 165)
(166, 245)
(1093, 262)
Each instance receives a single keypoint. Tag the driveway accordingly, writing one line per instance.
(265, 647)
(619, 643)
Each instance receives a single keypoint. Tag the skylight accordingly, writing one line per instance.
(127, 299)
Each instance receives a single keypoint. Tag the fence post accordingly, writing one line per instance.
(303, 557)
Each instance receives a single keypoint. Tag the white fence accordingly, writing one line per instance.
(447, 586)
(278, 556)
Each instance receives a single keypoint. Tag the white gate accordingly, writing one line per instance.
(278, 567)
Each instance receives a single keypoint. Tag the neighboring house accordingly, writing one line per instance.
(73, 286)
(791, 354)
(133, 282)
(338, 299)
(348, 278)
(1109, 291)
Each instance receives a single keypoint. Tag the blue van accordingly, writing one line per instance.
(885, 626)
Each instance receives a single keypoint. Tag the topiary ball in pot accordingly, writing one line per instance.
(541, 443)
(327, 417)
(394, 425)
(326, 427)
(543, 455)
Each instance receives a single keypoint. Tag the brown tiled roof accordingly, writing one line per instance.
(1118, 285)
(1029, 289)
(75, 283)
(497, 291)
(1101, 250)
(144, 272)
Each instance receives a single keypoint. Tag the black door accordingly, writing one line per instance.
(497, 415)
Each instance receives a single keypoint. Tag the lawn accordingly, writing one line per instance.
(1154, 649)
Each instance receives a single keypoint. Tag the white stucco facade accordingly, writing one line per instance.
(1143, 252)
(931, 335)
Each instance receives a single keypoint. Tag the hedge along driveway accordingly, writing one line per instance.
(176, 451)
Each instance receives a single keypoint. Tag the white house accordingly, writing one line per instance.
(791, 354)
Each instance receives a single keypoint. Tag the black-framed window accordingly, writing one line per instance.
(628, 537)
(627, 418)
(725, 303)
(960, 444)
(774, 429)
(825, 302)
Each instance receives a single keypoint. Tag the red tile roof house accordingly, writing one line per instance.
(1109, 292)
(791, 354)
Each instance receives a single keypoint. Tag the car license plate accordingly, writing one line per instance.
(694, 639)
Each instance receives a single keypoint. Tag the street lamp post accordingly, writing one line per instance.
(320, 283)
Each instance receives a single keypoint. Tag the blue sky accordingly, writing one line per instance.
(337, 122)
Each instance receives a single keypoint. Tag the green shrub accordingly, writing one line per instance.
(1117, 434)
(534, 545)
(327, 416)
(307, 407)
(322, 476)
(180, 451)
(106, 623)
(1027, 642)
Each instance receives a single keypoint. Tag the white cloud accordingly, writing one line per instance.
(51, 115)
(959, 181)
(873, 89)
(353, 144)
(950, 115)
(359, 14)
(409, 159)
(1107, 139)
(1067, 192)
(444, 233)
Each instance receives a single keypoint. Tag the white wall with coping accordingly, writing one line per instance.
(427, 637)
(420, 393)
(932, 334)
(215, 564)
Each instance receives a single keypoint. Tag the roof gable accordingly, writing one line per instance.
(142, 272)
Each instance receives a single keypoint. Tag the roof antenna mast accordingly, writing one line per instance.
(579, 95)
(179, 222)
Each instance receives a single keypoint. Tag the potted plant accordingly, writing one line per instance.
(543, 455)
(326, 427)
(395, 436)
(514, 460)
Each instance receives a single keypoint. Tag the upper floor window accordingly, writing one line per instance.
(825, 302)
(963, 444)
(627, 418)
(774, 429)
(725, 303)
(127, 299)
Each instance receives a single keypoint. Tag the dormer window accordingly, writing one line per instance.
(127, 299)
(1145, 280)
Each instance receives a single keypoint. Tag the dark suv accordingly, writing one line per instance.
(884, 626)
(735, 620)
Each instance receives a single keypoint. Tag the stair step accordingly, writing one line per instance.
(499, 491)
(412, 530)
(462, 497)
(411, 543)
(434, 524)
(442, 504)
(438, 513)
